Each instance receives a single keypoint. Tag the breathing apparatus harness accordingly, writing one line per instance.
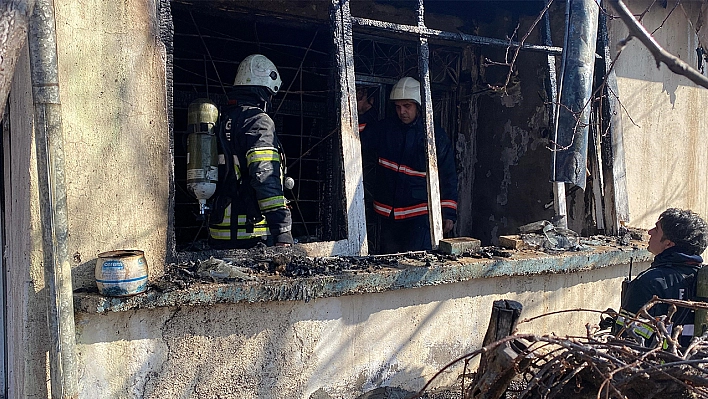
(237, 184)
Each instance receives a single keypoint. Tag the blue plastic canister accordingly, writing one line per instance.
(122, 272)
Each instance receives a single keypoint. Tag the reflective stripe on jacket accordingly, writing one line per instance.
(257, 196)
(244, 230)
(672, 275)
(401, 185)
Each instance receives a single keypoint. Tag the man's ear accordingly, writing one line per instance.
(668, 243)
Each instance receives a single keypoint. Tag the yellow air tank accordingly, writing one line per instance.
(202, 156)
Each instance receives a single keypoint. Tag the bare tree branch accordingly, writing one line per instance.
(14, 23)
(603, 364)
(675, 64)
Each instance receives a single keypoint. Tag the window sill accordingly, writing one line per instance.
(410, 273)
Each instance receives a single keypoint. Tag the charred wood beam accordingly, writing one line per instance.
(502, 323)
(422, 31)
(376, 80)
(434, 213)
(552, 86)
(551, 82)
(616, 198)
(498, 367)
(356, 243)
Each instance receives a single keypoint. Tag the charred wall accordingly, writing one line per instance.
(500, 130)
(512, 169)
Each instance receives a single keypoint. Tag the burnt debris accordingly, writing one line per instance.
(262, 263)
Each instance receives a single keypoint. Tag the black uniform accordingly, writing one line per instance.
(400, 190)
(672, 275)
(250, 206)
(368, 119)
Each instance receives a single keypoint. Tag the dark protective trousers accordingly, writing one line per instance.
(404, 235)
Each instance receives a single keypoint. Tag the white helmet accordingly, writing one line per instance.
(406, 89)
(258, 70)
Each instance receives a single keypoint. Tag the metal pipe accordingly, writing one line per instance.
(576, 93)
(52, 194)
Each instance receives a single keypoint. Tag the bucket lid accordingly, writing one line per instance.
(121, 253)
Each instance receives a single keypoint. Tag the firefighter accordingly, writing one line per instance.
(365, 108)
(677, 241)
(250, 207)
(400, 190)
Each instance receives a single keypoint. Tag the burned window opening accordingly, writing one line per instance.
(208, 47)
(207, 50)
(378, 65)
(464, 103)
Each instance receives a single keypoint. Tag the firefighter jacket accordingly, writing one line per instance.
(249, 204)
(400, 188)
(672, 275)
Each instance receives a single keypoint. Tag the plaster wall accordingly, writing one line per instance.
(342, 345)
(118, 162)
(665, 129)
(112, 92)
(26, 333)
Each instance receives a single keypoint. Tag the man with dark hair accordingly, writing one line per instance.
(677, 241)
(365, 107)
(400, 189)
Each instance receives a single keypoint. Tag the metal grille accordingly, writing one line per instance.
(208, 45)
(207, 49)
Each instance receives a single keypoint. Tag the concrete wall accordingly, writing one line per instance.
(343, 345)
(118, 163)
(112, 81)
(26, 320)
(665, 129)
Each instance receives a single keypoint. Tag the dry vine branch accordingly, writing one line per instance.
(675, 64)
(598, 365)
(523, 40)
(667, 17)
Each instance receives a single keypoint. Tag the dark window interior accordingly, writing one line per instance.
(208, 46)
(500, 135)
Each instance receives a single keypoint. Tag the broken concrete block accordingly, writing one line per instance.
(320, 394)
(513, 242)
(459, 245)
(387, 393)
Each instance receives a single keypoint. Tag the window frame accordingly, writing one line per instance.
(355, 243)
(342, 26)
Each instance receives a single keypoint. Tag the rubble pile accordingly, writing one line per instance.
(263, 262)
(544, 236)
